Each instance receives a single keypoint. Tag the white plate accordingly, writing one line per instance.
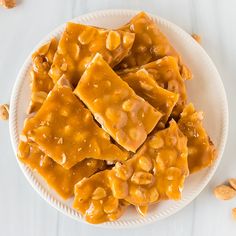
(206, 91)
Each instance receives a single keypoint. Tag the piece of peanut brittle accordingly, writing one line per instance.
(124, 115)
(94, 199)
(150, 44)
(41, 83)
(60, 179)
(65, 130)
(166, 73)
(156, 172)
(145, 86)
(78, 45)
(201, 150)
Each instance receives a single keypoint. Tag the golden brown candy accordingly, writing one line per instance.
(94, 199)
(150, 44)
(157, 171)
(65, 130)
(145, 86)
(4, 111)
(60, 179)
(165, 72)
(41, 83)
(201, 150)
(123, 114)
(78, 45)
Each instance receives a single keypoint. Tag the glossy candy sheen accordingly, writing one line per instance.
(123, 114)
(57, 177)
(41, 83)
(150, 44)
(78, 45)
(145, 86)
(156, 172)
(165, 72)
(65, 130)
(201, 150)
(163, 178)
(94, 199)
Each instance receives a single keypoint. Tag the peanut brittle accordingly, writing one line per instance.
(42, 83)
(65, 130)
(166, 73)
(150, 44)
(123, 114)
(94, 199)
(201, 150)
(156, 172)
(145, 86)
(60, 179)
(78, 45)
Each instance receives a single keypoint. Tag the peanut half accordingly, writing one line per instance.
(232, 183)
(224, 192)
(234, 213)
(197, 38)
(4, 112)
(8, 3)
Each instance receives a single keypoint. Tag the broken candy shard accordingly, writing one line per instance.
(201, 150)
(125, 116)
(65, 130)
(78, 45)
(149, 45)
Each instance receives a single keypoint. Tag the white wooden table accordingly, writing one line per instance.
(22, 211)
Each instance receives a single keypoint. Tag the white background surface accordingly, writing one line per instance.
(22, 211)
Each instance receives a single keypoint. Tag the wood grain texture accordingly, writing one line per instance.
(22, 211)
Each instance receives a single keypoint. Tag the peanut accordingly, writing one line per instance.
(142, 178)
(99, 193)
(86, 36)
(122, 171)
(4, 112)
(145, 163)
(111, 205)
(232, 183)
(224, 192)
(113, 40)
(196, 37)
(8, 3)
(234, 213)
(156, 142)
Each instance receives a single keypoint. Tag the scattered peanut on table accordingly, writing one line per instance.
(4, 112)
(227, 192)
(224, 192)
(234, 213)
(232, 183)
(8, 3)
(197, 37)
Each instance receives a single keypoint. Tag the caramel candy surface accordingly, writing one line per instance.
(60, 179)
(145, 86)
(201, 150)
(156, 172)
(78, 45)
(41, 83)
(65, 130)
(150, 44)
(94, 199)
(123, 114)
(165, 71)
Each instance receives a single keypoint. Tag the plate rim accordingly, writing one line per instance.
(131, 223)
